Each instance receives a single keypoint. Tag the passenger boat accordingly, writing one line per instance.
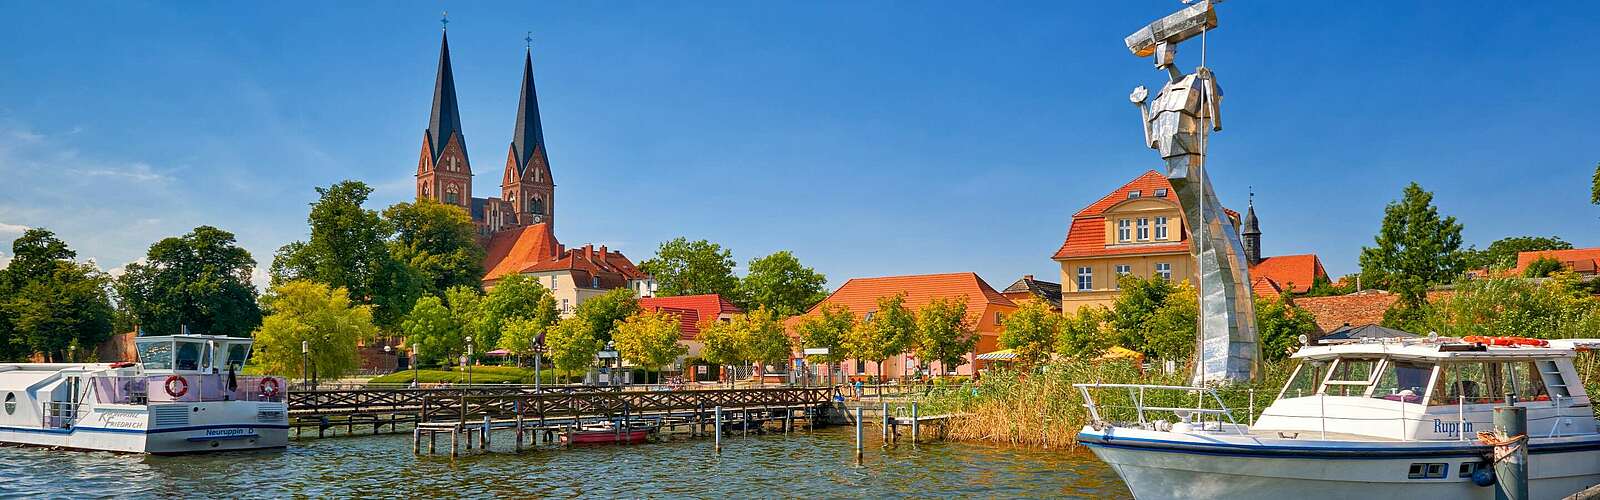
(606, 433)
(1390, 418)
(184, 395)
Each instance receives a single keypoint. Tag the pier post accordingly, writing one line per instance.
(455, 435)
(519, 432)
(433, 442)
(718, 430)
(416, 441)
(1511, 458)
(483, 435)
(885, 420)
(916, 422)
(858, 434)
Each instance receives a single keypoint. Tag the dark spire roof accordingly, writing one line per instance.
(1250, 224)
(446, 118)
(530, 133)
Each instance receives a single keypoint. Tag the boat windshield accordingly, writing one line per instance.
(236, 355)
(1350, 377)
(155, 355)
(1305, 380)
(1403, 381)
(188, 355)
(1485, 382)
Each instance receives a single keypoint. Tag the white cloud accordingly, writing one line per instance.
(5, 260)
(137, 171)
(13, 228)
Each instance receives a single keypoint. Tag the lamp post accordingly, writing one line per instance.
(416, 373)
(469, 361)
(72, 353)
(305, 351)
(538, 352)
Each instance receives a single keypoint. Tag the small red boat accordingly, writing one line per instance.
(606, 434)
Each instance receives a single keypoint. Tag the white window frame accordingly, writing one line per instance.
(1143, 227)
(1161, 227)
(1085, 277)
(1164, 270)
(1124, 230)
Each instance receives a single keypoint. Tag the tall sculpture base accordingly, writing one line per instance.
(1227, 326)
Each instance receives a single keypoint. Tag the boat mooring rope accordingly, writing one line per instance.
(1503, 446)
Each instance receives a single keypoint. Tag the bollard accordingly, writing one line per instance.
(1511, 454)
(483, 435)
(858, 435)
(916, 422)
(416, 441)
(718, 430)
(885, 423)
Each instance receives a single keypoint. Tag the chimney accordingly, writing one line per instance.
(1027, 277)
(588, 252)
(602, 253)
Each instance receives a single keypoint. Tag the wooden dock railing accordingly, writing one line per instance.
(464, 407)
(409, 400)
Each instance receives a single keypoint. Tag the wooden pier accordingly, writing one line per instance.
(358, 409)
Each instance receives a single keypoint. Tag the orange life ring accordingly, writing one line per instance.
(176, 386)
(269, 387)
(1506, 341)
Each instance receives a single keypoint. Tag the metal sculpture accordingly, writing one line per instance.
(1175, 123)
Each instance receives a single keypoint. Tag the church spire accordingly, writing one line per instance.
(529, 135)
(446, 118)
(1251, 233)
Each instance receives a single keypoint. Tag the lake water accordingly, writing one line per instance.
(817, 464)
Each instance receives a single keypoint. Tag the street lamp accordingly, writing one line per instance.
(538, 352)
(416, 372)
(469, 361)
(305, 351)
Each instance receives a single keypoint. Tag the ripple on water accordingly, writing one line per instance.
(801, 464)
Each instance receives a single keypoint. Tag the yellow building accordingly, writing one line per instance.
(1138, 229)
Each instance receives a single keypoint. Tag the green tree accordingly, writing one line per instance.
(778, 282)
(765, 341)
(201, 280)
(466, 304)
(827, 330)
(514, 297)
(683, 267)
(572, 346)
(1171, 332)
(650, 339)
(1279, 325)
(1322, 287)
(1555, 308)
(1502, 253)
(722, 343)
(321, 316)
(48, 302)
(1415, 248)
(1084, 334)
(1134, 310)
(1542, 267)
(606, 310)
(521, 337)
(432, 327)
(349, 249)
(944, 334)
(885, 332)
(438, 242)
(1031, 332)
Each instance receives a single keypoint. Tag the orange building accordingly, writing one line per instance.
(986, 308)
(1139, 229)
(694, 313)
(1584, 261)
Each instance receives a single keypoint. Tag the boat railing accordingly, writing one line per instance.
(58, 414)
(1144, 399)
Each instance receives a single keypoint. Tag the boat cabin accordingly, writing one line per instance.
(1428, 389)
(192, 354)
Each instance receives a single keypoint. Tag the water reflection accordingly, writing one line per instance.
(819, 464)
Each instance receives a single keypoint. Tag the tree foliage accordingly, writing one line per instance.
(1084, 334)
(1415, 248)
(650, 339)
(826, 329)
(514, 297)
(1558, 307)
(431, 327)
(1133, 313)
(1279, 325)
(438, 243)
(683, 267)
(722, 343)
(50, 303)
(520, 336)
(200, 280)
(323, 317)
(348, 249)
(1502, 253)
(1542, 267)
(605, 311)
(1172, 330)
(1031, 332)
(780, 283)
(765, 341)
(943, 333)
(886, 332)
(572, 345)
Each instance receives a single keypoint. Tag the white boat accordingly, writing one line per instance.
(185, 395)
(1373, 419)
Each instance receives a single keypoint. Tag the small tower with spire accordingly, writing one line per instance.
(526, 185)
(1251, 233)
(443, 172)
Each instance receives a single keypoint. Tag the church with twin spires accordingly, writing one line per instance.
(516, 228)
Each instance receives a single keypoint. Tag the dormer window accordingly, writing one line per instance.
(1161, 192)
(1133, 194)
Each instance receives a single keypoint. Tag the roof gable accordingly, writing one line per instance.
(861, 295)
(693, 311)
(1293, 273)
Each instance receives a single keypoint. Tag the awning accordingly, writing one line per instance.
(1000, 355)
(1119, 352)
(497, 352)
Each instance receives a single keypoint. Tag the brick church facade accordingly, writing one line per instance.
(517, 228)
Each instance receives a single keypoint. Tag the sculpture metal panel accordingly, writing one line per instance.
(1174, 125)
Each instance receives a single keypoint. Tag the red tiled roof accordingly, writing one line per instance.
(1087, 238)
(861, 294)
(534, 248)
(1266, 288)
(1582, 260)
(1356, 309)
(1294, 273)
(693, 310)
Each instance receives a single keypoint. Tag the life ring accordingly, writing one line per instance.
(269, 387)
(176, 386)
(1506, 341)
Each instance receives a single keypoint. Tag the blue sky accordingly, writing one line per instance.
(871, 138)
